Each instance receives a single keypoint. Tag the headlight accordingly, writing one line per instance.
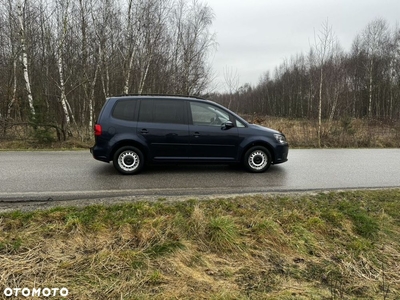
(280, 138)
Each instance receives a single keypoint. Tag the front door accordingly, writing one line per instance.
(209, 139)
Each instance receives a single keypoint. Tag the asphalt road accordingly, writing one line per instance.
(67, 175)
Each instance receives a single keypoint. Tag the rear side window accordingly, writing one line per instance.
(162, 111)
(146, 111)
(124, 110)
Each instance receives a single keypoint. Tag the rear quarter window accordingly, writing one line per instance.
(124, 110)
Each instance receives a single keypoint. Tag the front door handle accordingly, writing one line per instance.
(196, 134)
(144, 131)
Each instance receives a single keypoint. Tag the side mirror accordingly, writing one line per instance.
(227, 125)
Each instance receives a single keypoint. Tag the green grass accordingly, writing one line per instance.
(222, 234)
(337, 245)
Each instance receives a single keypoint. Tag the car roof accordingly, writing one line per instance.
(162, 97)
(159, 96)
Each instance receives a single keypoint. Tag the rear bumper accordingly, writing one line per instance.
(98, 154)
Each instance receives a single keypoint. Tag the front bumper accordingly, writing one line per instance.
(281, 154)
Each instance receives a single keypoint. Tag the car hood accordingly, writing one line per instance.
(264, 129)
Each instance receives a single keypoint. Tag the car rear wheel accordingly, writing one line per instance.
(128, 160)
(257, 159)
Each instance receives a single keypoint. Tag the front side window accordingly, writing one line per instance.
(207, 115)
(124, 110)
(162, 111)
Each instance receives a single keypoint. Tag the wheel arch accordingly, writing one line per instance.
(133, 143)
(258, 143)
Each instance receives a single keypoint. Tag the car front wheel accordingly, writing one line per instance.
(128, 160)
(257, 159)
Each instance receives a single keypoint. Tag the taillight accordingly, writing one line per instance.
(97, 129)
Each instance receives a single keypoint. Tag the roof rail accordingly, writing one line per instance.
(166, 95)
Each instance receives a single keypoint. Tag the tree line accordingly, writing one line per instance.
(60, 59)
(329, 83)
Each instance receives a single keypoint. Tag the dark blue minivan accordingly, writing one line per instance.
(132, 131)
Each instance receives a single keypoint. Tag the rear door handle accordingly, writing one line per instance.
(196, 134)
(144, 131)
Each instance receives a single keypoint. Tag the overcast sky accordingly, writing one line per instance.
(255, 36)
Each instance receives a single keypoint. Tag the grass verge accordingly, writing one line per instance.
(338, 245)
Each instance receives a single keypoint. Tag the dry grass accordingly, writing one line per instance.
(301, 133)
(345, 133)
(25, 137)
(324, 246)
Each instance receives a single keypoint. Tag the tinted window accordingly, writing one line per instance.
(162, 111)
(146, 111)
(124, 110)
(208, 115)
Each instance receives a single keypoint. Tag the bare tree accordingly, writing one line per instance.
(395, 74)
(24, 56)
(132, 32)
(90, 48)
(194, 42)
(12, 51)
(337, 79)
(75, 53)
(105, 22)
(375, 42)
(153, 21)
(62, 24)
(329, 83)
(323, 45)
(231, 78)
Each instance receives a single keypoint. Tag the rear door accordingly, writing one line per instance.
(162, 123)
(209, 139)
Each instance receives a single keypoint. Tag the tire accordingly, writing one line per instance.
(257, 159)
(128, 160)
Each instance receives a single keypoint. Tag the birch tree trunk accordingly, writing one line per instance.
(131, 40)
(370, 75)
(14, 89)
(376, 40)
(334, 105)
(105, 74)
(321, 78)
(88, 59)
(24, 58)
(14, 52)
(324, 43)
(91, 99)
(128, 73)
(63, 97)
(62, 33)
(143, 79)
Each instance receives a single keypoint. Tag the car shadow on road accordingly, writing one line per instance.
(176, 169)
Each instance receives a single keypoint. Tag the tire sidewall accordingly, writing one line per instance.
(252, 150)
(128, 148)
